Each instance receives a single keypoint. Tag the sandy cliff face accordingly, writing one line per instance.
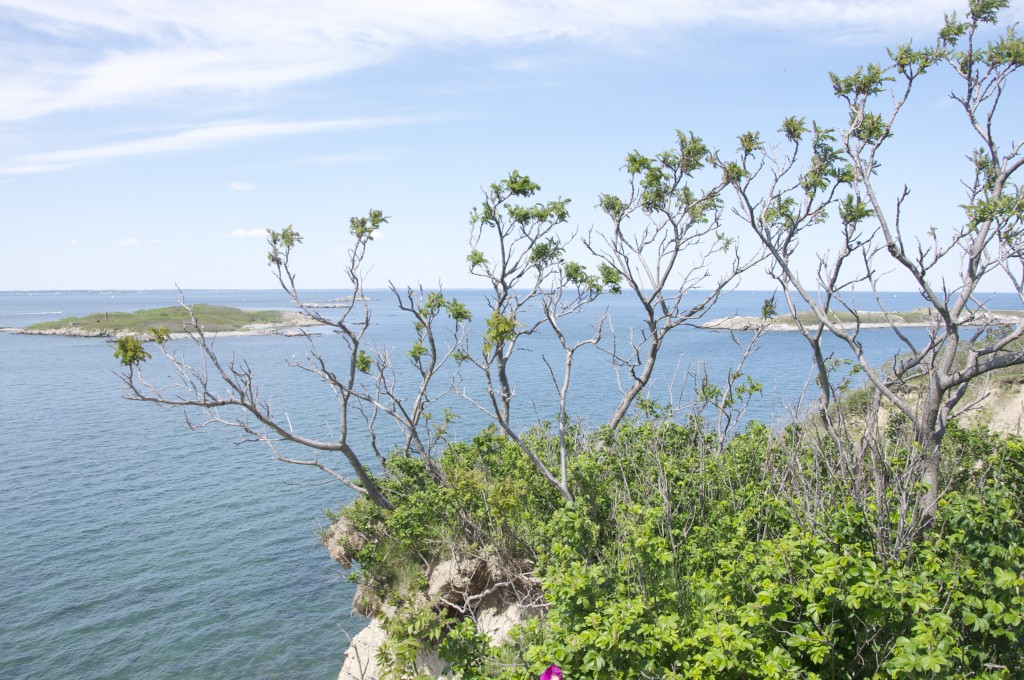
(477, 588)
(1001, 410)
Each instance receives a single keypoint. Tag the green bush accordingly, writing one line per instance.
(677, 560)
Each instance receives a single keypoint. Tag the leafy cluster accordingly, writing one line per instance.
(673, 562)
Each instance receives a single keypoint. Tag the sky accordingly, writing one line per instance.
(150, 143)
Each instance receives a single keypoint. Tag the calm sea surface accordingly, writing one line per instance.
(131, 547)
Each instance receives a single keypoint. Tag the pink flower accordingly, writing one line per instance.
(552, 673)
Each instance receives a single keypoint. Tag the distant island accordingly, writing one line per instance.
(921, 318)
(212, 318)
(337, 303)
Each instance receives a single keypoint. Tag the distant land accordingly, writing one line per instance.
(212, 318)
(922, 317)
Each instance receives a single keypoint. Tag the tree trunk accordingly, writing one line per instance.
(928, 434)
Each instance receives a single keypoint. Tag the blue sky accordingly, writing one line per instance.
(149, 144)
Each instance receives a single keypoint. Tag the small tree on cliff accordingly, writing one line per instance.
(665, 242)
(226, 390)
(531, 286)
(786, 191)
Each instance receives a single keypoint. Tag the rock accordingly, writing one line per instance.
(455, 580)
(344, 542)
(497, 621)
(472, 586)
(361, 657)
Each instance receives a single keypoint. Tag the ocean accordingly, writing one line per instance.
(132, 547)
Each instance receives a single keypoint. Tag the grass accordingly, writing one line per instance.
(210, 317)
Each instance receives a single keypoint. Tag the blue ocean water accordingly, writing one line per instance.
(131, 547)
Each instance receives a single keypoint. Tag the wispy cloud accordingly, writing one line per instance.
(196, 138)
(129, 242)
(242, 186)
(247, 233)
(66, 54)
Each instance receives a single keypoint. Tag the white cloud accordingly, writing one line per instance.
(247, 233)
(196, 138)
(242, 186)
(111, 52)
(129, 242)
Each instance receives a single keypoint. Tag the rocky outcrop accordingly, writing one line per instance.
(67, 332)
(343, 542)
(468, 587)
(361, 656)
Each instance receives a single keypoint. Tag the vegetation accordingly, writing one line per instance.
(666, 544)
(785, 190)
(682, 563)
(213, 318)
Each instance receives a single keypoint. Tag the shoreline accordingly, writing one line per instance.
(286, 329)
(751, 323)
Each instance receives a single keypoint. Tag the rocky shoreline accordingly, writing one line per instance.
(293, 326)
(750, 323)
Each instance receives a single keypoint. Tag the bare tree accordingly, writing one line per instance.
(527, 248)
(666, 239)
(950, 265)
(532, 286)
(226, 390)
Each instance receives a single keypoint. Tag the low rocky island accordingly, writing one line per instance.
(920, 318)
(212, 318)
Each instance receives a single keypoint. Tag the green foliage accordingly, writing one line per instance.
(733, 172)
(852, 210)
(612, 206)
(417, 351)
(611, 278)
(865, 81)
(986, 11)
(129, 351)
(363, 362)
(524, 216)
(500, 329)
(158, 323)
(825, 166)
(794, 128)
(281, 244)
(675, 562)
(750, 142)
(546, 252)
(476, 258)
(457, 311)
(607, 278)
(363, 228)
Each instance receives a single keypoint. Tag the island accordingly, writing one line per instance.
(212, 318)
(921, 318)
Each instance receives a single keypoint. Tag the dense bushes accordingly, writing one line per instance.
(677, 560)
